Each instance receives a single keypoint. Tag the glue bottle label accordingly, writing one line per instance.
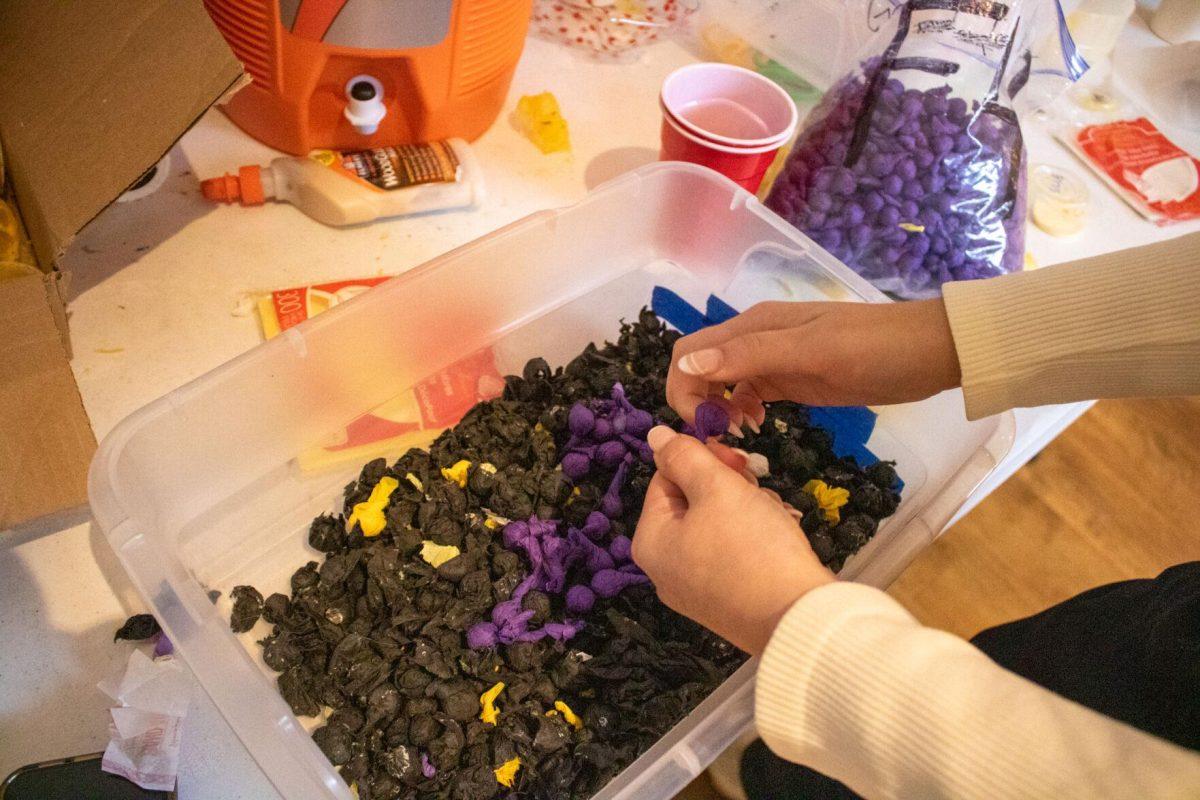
(398, 167)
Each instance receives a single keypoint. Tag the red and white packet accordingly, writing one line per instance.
(1149, 171)
(411, 419)
(144, 734)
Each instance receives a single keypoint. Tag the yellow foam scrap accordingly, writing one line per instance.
(539, 118)
(437, 554)
(415, 481)
(491, 523)
(369, 513)
(457, 473)
(569, 715)
(487, 703)
(829, 498)
(506, 773)
(912, 227)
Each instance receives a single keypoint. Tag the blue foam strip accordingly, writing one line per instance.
(850, 426)
(719, 311)
(675, 311)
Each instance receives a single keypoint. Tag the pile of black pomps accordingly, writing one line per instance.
(378, 635)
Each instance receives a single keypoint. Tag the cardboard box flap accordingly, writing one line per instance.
(93, 93)
(46, 441)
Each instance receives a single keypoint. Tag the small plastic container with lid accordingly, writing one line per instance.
(1058, 201)
(356, 186)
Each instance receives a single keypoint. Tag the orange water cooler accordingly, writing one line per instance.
(353, 74)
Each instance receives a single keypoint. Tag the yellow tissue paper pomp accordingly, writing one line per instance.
(506, 773)
(487, 703)
(829, 498)
(457, 473)
(369, 513)
(538, 117)
(437, 554)
(570, 716)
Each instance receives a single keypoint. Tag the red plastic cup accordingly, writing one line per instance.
(745, 166)
(729, 105)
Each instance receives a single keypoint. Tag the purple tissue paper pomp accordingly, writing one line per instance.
(610, 453)
(576, 466)
(581, 420)
(621, 548)
(562, 631)
(638, 423)
(596, 525)
(515, 532)
(482, 634)
(611, 505)
(595, 558)
(580, 599)
(427, 768)
(610, 582)
(603, 430)
(711, 420)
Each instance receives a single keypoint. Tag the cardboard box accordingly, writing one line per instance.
(92, 94)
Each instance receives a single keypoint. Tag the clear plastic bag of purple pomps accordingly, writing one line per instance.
(912, 168)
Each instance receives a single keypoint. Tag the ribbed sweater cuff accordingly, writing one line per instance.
(1117, 325)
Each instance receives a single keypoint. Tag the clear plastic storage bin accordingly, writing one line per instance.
(201, 490)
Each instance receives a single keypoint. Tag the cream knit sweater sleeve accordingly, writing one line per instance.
(1117, 325)
(854, 687)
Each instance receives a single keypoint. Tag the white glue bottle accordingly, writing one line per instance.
(356, 186)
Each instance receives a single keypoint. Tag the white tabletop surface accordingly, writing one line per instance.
(158, 299)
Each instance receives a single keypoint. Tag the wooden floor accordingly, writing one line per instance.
(1117, 496)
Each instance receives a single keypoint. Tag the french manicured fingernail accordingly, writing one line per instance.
(752, 424)
(735, 431)
(758, 465)
(701, 362)
(658, 436)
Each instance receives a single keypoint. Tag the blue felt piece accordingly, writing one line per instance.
(850, 426)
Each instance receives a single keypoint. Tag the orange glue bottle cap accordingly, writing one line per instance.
(246, 187)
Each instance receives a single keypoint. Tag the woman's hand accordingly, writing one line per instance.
(816, 353)
(719, 549)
